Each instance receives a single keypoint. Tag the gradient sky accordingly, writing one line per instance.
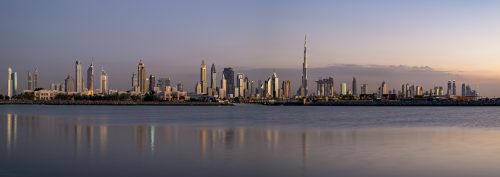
(453, 36)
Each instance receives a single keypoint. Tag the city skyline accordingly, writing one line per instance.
(463, 48)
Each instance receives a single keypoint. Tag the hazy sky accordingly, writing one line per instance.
(453, 36)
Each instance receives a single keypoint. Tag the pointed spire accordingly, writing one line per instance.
(305, 39)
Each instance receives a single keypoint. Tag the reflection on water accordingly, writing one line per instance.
(80, 146)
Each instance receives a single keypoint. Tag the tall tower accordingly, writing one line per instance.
(90, 79)
(9, 83)
(104, 82)
(30, 81)
(141, 77)
(135, 83)
(304, 67)
(35, 79)
(229, 76)
(213, 75)
(354, 87)
(14, 83)
(203, 77)
(78, 77)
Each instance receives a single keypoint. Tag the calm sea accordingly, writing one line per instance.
(248, 140)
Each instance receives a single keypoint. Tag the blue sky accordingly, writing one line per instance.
(174, 36)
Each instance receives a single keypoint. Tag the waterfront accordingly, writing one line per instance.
(248, 140)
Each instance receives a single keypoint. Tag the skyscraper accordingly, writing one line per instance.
(9, 83)
(14, 83)
(354, 87)
(141, 77)
(203, 77)
(364, 88)
(90, 79)
(30, 81)
(240, 85)
(78, 77)
(286, 88)
(213, 75)
(454, 88)
(304, 68)
(449, 91)
(275, 93)
(35, 79)
(135, 83)
(343, 88)
(229, 76)
(69, 84)
(152, 83)
(104, 82)
(223, 87)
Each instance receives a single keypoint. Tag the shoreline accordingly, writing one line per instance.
(114, 103)
(400, 103)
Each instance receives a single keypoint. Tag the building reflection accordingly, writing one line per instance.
(11, 131)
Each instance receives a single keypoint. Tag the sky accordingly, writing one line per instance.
(459, 39)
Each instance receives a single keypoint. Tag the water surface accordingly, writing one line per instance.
(248, 140)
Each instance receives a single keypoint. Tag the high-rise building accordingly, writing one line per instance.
(240, 85)
(454, 88)
(78, 77)
(152, 83)
(286, 89)
(203, 77)
(142, 77)
(180, 87)
(9, 83)
(325, 87)
(364, 89)
(213, 75)
(14, 83)
(104, 82)
(69, 84)
(229, 76)
(449, 91)
(135, 83)
(275, 93)
(354, 87)
(35, 79)
(90, 79)
(304, 68)
(223, 87)
(30, 81)
(463, 90)
(343, 88)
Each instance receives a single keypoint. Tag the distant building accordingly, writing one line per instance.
(343, 88)
(10, 92)
(275, 86)
(240, 85)
(152, 83)
(78, 77)
(229, 76)
(364, 89)
(135, 83)
(213, 77)
(203, 77)
(325, 87)
(286, 88)
(69, 84)
(142, 77)
(35, 79)
(30, 81)
(354, 87)
(104, 83)
(90, 79)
